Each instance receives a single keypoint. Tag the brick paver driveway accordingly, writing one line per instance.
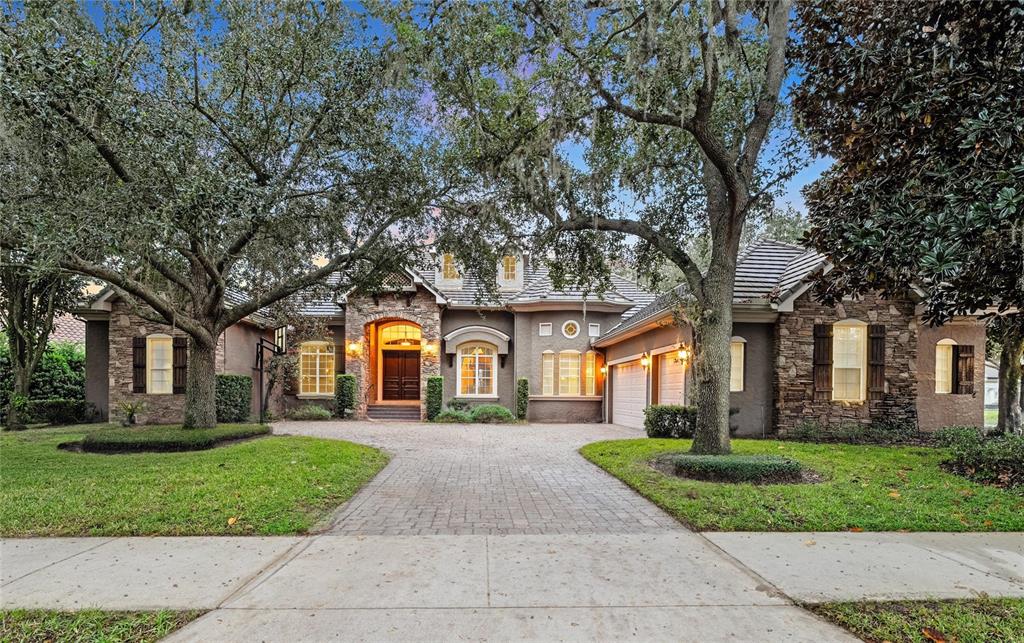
(487, 479)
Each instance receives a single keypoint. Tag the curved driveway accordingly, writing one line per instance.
(487, 479)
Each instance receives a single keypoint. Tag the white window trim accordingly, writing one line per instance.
(547, 384)
(150, 340)
(318, 394)
(593, 330)
(863, 360)
(742, 343)
(476, 384)
(566, 323)
(544, 329)
(579, 373)
(952, 385)
(504, 268)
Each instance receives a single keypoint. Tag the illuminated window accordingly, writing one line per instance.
(944, 366)
(400, 335)
(508, 268)
(548, 373)
(448, 269)
(736, 353)
(590, 373)
(159, 361)
(476, 369)
(316, 368)
(569, 373)
(849, 355)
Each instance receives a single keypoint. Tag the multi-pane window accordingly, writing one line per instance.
(281, 338)
(508, 268)
(476, 370)
(944, 366)
(448, 268)
(160, 363)
(736, 355)
(400, 335)
(569, 373)
(849, 355)
(548, 373)
(590, 373)
(316, 368)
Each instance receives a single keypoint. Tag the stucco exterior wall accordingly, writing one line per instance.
(287, 397)
(97, 360)
(794, 368)
(666, 335)
(755, 400)
(936, 410)
(240, 356)
(505, 375)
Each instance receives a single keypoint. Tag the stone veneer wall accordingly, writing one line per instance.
(124, 326)
(794, 372)
(361, 312)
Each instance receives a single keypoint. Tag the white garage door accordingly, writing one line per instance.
(670, 379)
(629, 394)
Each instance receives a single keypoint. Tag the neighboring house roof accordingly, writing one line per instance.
(68, 328)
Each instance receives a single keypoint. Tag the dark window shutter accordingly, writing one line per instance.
(179, 360)
(823, 361)
(876, 361)
(339, 358)
(138, 365)
(963, 365)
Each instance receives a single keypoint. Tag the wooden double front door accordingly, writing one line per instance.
(401, 377)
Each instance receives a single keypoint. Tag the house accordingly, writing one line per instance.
(587, 358)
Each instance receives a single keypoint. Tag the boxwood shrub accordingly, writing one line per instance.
(670, 421)
(997, 460)
(737, 468)
(453, 416)
(435, 390)
(167, 438)
(61, 411)
(309, 411)
(491, 414)
(234, 398)
(522, 397)
(344, 394)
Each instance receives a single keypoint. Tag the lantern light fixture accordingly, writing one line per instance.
(683, 353)
(645, 360)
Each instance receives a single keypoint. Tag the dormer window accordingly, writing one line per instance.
(448, 270)
(508, 267)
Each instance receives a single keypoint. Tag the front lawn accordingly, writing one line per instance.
(864, 488)
(32, 626)
(965, 621)
(270, 486)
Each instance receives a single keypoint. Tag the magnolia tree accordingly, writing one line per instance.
(927, 130)
(589, 127)
(201, 161)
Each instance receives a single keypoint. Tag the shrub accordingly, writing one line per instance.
(60, 374)
(453, 416)
(168, 438)
(129, 411)
(344, 394)
(522, 397)
(885, 432)
(737, 468)
(58, 411)
(458, 405)
(309, 412)
(435, 391)
(234, 398)
(998, 460)
(670, 421)
(491, 414)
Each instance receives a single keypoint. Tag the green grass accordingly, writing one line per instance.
(25, 626)
(168, 438)
(964, 621)
(864, 487)
(274, 485)
(991, 417)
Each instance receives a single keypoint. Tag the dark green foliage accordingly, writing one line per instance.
(670, 421)
(737, 468)
(994, 460)
(309, 411)
(458, 405)
(60, 374)
(234, 398)
(344, 394)
(878, 432)
(453, 416)
(522, 397)
(435, 391)
(491, 414)
(168, 438)
(58, 412)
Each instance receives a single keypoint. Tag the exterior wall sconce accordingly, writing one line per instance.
(604, 369)
(429, 348)
(645, 361)
(354, 348)
(684, 353)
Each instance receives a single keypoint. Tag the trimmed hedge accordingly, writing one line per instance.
(435, 391)
(737, 468)
(309, 411)
(453, 416)
(167, 438)
(670, 421)
(58, 411)
(878, 432)
(491, 414)
(995, 460)
(234, 398)
(60, 374)
(522, 397)
(344, 394)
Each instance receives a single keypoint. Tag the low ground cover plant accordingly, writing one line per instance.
(60, 411)
(491, 414)
(91, 625)
(996, 460)
(309, 412)
(168, 438)
(737, 468)
(453, 416)
(879, 432)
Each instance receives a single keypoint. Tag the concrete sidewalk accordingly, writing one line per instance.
(680, 586)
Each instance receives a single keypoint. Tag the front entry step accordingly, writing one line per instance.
(388, 412)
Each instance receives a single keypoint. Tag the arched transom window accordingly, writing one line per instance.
(476, 370)
(401, 335)
(944, 350)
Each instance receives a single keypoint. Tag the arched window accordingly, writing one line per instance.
(944, 350)
(508, 267)
(316, 368)
(849, 355)
(159, 364)
(476, 370)
(737, 357)
(569, 373)
(400, 335)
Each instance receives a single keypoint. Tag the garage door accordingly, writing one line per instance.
(629, 394)
(670, 379)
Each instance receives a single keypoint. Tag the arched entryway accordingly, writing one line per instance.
(398, 362)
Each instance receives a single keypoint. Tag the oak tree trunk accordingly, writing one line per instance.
(1010, 393)
(201, 386)
(712, 332)
(19, 395)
